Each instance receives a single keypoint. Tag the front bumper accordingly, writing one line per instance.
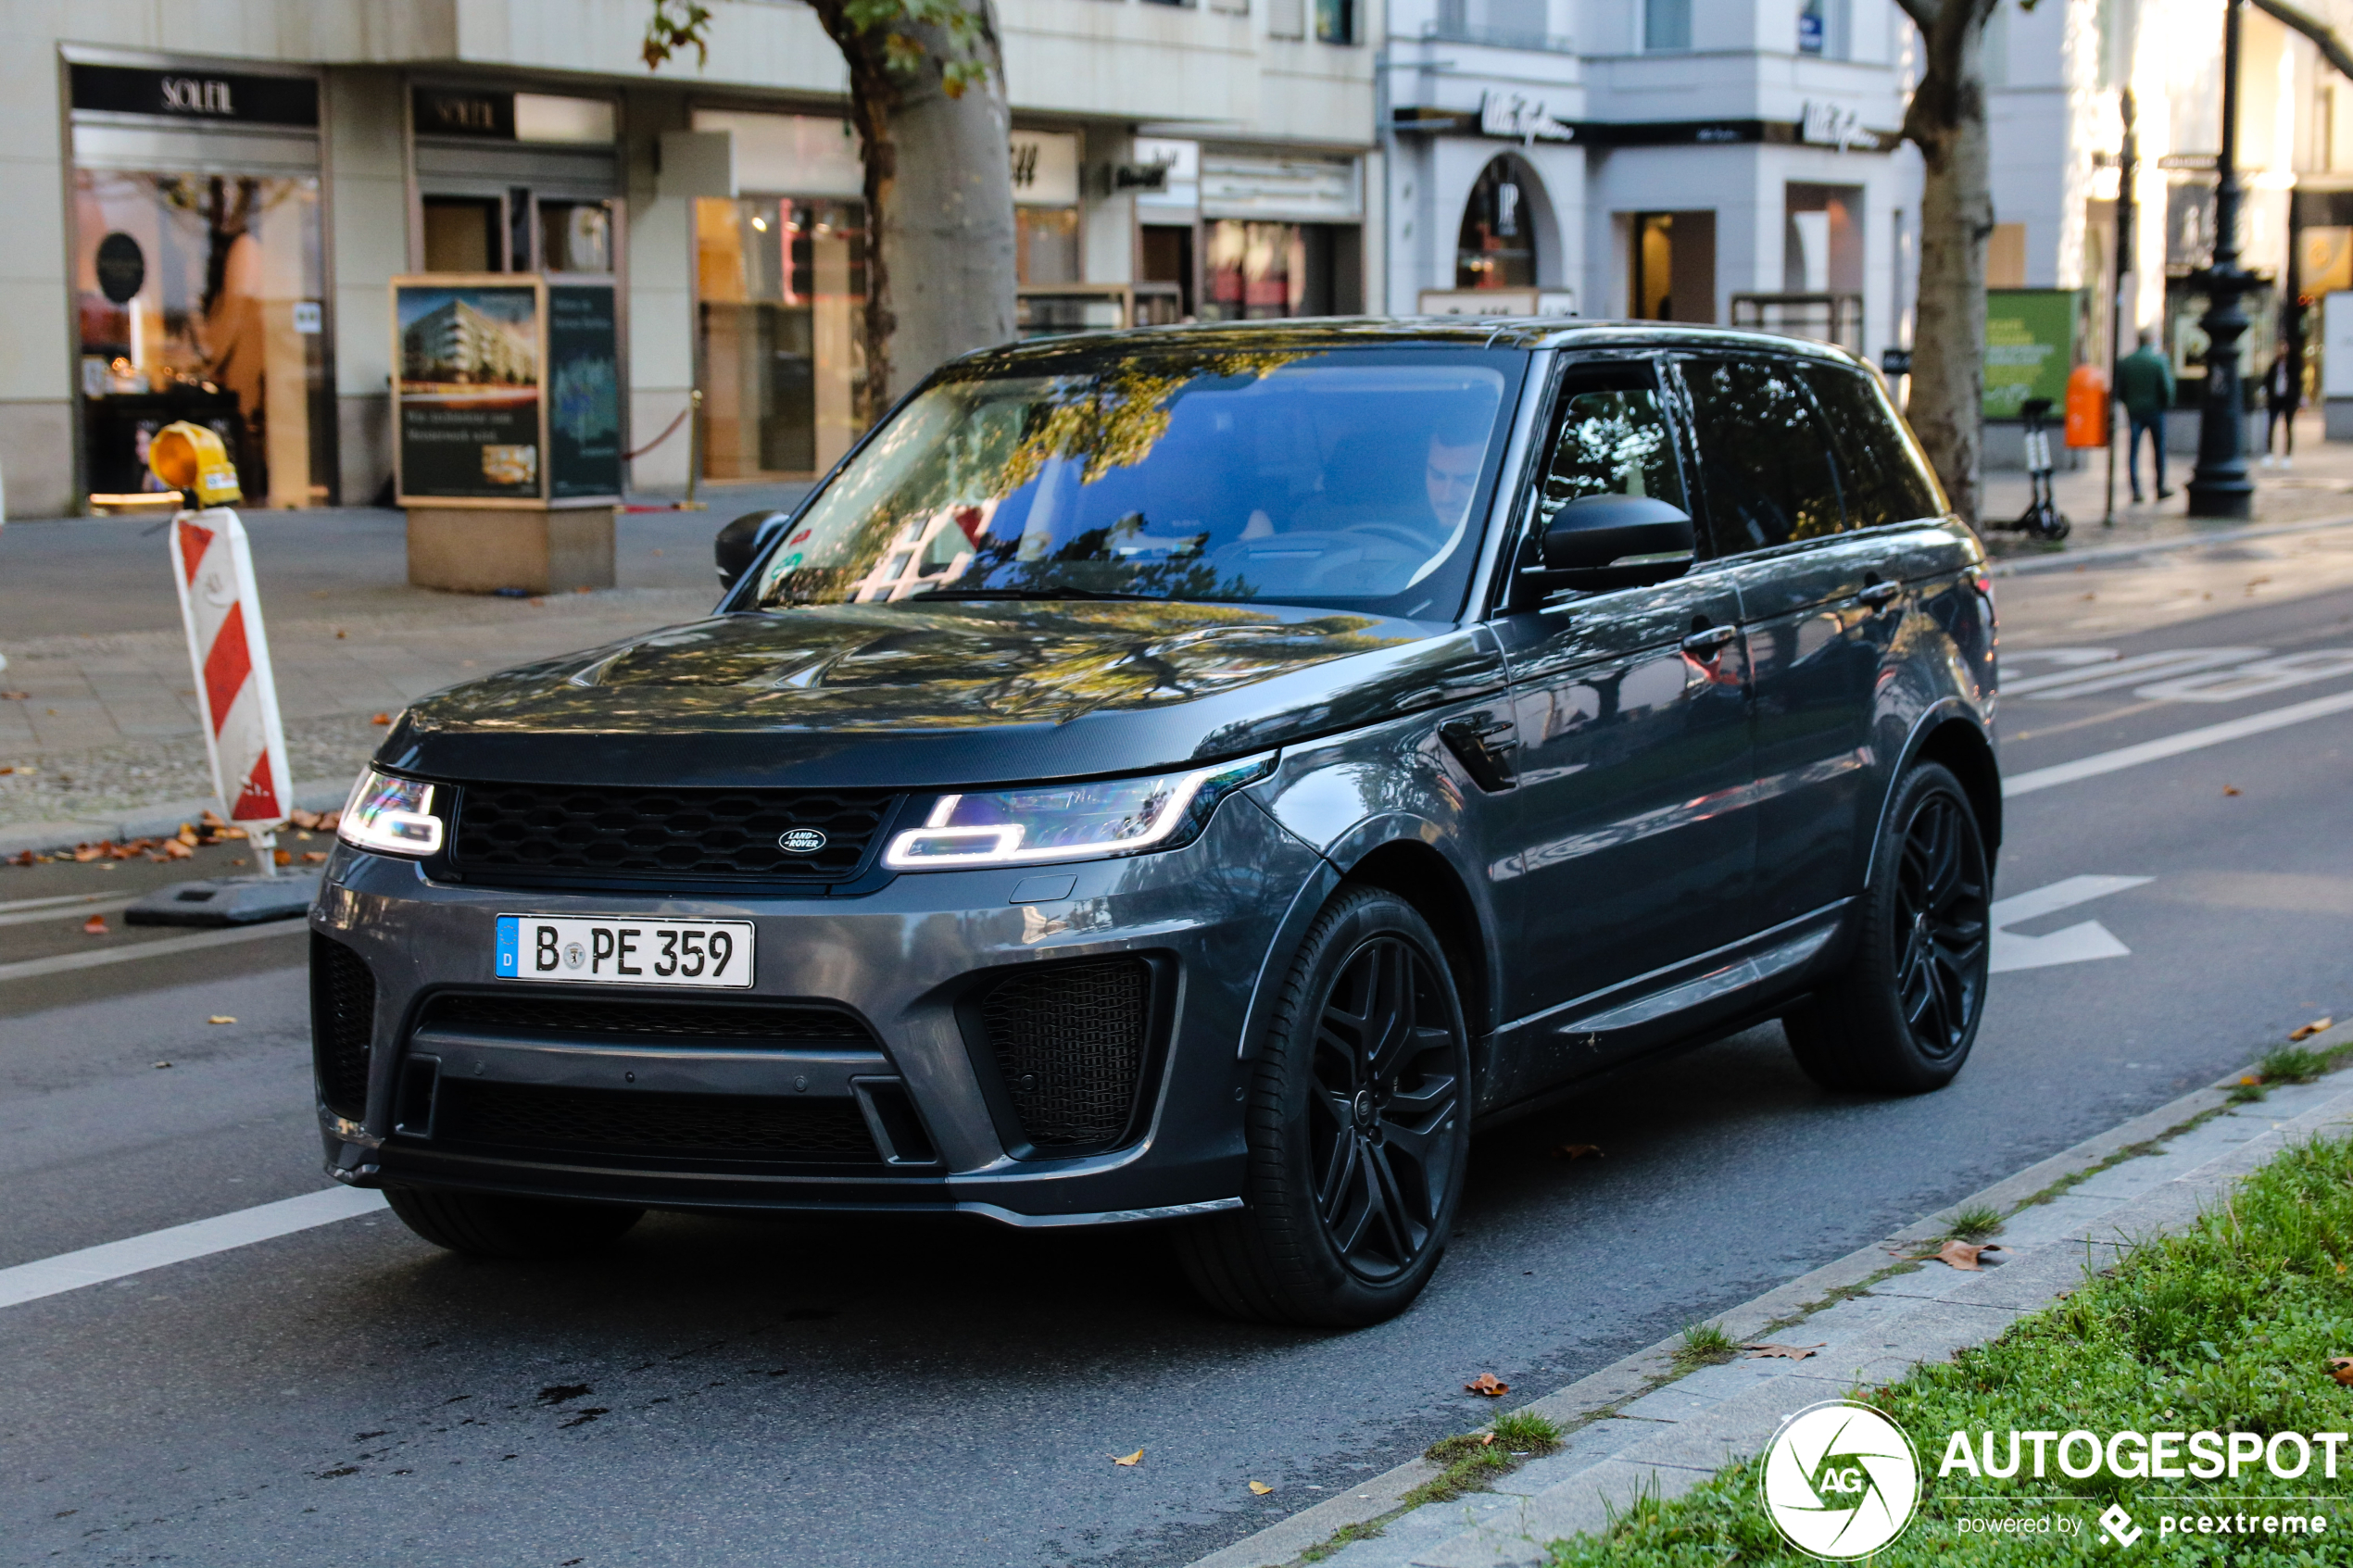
(905, 962)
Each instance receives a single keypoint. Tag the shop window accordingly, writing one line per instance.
(575, 236)
(464, 234)
(1046, 245)
(1825, 28)
(200, 297)
(1256, 271)
(781, 283)
(1166, 257)
(1336, 21)
(1496, 248)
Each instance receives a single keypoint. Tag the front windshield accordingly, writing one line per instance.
(1354, 479)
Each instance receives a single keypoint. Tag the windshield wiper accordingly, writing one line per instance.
(1026, 593)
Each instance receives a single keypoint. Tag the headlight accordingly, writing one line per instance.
(1082, 822)
(389, 816)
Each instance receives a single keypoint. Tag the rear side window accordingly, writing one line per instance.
(1764, 456)
(1884, 479)
(1611, 438)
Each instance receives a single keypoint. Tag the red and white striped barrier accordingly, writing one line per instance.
(219, 605)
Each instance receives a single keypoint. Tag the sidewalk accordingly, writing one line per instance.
(106, 721)
(2318, 486)
(1643, 1428)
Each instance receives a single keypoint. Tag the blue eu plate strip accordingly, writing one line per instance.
(507, 927)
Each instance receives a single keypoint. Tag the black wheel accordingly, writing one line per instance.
(1358, 1127)
(1903, 1016)
(483, 1224)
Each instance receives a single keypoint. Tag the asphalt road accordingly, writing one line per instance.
(820, 1393)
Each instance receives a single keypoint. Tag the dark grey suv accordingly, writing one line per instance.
(1198, 776)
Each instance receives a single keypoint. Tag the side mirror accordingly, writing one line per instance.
(1617, 542)
(741, 541)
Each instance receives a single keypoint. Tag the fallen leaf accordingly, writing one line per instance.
(2341, 1368)
(187, 835)
(1578, 1151)
(177, 850)
(1261, 1488)
(282, 858)
(340, 634)
(2230, 789)
(220, 1018)
(1486, 1382)
(1135, 1458)
(329, 822)
(380, 719)
(2310, 1029)
(1965, 1254)
(16, 696)
(95, 926)
(86, 852)
(1790, 1352)
(162, 1064)
(304, 819)
(314, 857)
(2251, 1079)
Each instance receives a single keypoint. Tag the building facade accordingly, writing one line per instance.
(211, 202)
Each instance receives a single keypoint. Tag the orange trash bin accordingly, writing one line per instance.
(2087, 407)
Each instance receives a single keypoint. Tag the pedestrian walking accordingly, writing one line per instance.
(2281, 398)
(2145, 386)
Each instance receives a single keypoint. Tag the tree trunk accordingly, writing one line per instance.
(939, 211)
(1946, 121)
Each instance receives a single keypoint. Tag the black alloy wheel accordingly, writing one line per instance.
(1384, 1114)
(1903, 1015)
(1356, 1115)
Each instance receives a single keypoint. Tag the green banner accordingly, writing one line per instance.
(2030, 347)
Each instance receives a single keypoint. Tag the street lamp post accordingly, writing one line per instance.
(2219, 485)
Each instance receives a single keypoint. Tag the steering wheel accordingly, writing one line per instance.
(1397, 533)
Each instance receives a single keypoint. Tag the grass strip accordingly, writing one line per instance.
(2228, 1325)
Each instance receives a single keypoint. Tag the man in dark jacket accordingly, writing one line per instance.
(2145, 386)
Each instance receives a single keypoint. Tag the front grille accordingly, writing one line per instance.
(1069, 1041)
(641, 1019)
(566, 832)
(522, 1118)
(343, 1017)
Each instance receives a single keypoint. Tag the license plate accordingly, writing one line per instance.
(701, 953)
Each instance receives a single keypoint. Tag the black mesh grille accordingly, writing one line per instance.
(520, 1117)
(574, 1016)
(1070, 1041)
(343, 1015)
(565, 832)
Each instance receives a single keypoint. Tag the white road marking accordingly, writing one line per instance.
(2174, 746)
(84, 907)
(2106, 671)
(178, 1244)
(61, 962)
(2260, 678)
(2077, 944)
(52, 903)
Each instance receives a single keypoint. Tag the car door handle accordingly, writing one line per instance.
(1705, 644)
(1879, 595)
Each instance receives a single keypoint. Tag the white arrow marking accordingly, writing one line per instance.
(2076, 943)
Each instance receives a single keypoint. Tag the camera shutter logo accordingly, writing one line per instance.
(1840, 1480)
(800, 841)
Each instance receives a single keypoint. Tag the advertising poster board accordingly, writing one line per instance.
(2336, 345)
(583, 393)
(469, 357)
(2030, 347)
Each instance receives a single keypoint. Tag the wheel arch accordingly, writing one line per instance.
(1425, 879)
(1961, 746)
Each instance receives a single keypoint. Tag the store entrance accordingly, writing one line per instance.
(782, 280)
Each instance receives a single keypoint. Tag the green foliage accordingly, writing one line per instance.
(2227, 1326)
(674, 25)
(1704, 1343)
(1975, 1223)
(1525, 1432)
(2292, 1064)
(966, 53)
(1473, 1459)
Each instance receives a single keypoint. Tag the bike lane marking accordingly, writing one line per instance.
(180, 1244)
(2174, 746)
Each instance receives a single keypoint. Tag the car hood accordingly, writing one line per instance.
(887, 696)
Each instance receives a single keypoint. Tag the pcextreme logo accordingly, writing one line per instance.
(1840, 1480)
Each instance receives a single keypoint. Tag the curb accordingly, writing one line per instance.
(144, 821)
(2062, 560)
(1652, 1370)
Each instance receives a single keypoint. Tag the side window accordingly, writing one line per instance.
(1885, 481)
(1611, 439)
(1764, 458)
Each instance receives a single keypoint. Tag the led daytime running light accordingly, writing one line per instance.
(1175, 802)
(389, 816)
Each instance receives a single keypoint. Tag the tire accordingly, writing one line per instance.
(483, 1224)
(1902, 1018)
(1357, 1120)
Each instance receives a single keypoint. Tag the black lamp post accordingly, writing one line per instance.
(2219, 485)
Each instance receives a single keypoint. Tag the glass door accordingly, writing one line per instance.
(781, 281)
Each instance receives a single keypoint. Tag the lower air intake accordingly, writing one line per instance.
(524, 1118)
(343, 1016)
(1070, 1042)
